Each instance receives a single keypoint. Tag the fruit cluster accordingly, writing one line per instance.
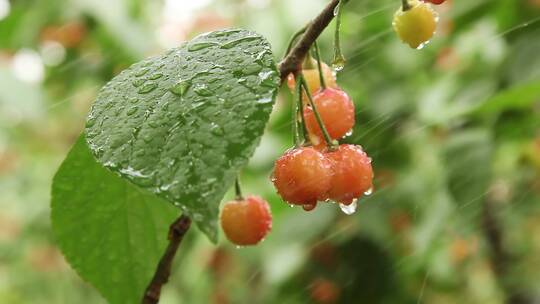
(321, 170)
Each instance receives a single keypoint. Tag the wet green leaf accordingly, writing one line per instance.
(111, 232)
(185, 134)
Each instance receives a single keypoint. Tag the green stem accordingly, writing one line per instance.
(319, 65)
(299, 81)
(405, 5)
(339, 60)
(329, 142)
(237, 189)
(293, 39)
(296, 133)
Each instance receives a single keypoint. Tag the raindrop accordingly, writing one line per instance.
(90, 122)
(309, 207)
(266, 79)
(147, 88)
(338, 64)
(202, 89)
(180, 87)
(349, 209)
(422, 45)
(156, 76)
(141, 72)
(138, 82)
(349, 133)
(369, 191)
(201, 45)
(133, 99)
(131, 111)
(336, 10)
(235, 42)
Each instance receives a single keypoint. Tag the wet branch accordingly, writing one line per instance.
(177, 230)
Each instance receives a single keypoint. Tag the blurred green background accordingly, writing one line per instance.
(453, 130)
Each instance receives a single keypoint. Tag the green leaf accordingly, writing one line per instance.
(182, 124)
(111, 232)
(517, 97)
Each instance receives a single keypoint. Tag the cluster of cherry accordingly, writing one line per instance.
(318, 169)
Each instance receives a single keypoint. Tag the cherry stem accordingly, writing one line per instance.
(294, 38)
(319, 65)
(329, 142)
(339, 59)
(405, 5)
(238, 189)
(300, 105)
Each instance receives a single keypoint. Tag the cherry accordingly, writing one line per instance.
(437, 2)
(353, 175)
(246, 221)
(302, 176)
(416, 25)
(313, 80)
(336, 109)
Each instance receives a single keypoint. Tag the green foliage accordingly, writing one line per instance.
(181, 125)
(111, 232)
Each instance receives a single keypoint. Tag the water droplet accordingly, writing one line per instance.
(202, 90)
(90, 122)
(138, 82)
(133, 99)
(349, 133)
(349, 209)
(201, 45)
(155, 76)
(147, 88)
(369, 191)
(309, 207)
(132, 111)
(336, 10)
(338, 64)
(239, 247)
(422, 45)
(235, 42)
(180, 87)
(141, 72)
(266, 79)
(242, 80)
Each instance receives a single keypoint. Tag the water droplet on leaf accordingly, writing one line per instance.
(147, 88)
(180, 87)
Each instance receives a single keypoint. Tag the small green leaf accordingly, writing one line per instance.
(111, 232)
(185, 134)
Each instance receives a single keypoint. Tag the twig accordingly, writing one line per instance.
(177, 230)
(499, 255)
(292, 62)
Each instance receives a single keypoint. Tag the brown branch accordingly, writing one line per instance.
(500, 257)
(290, 64)
(177, 230)
(293, 61)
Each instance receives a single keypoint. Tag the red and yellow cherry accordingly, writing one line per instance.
(416, 25)
(302, 176)
(436, 2)
(313, 80)
(246, 221)
(352, 174)
(336, 109)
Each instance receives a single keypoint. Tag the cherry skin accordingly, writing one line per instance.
(416, 25)
(302, 176)
(336, 109)
(437, 2)
(246, 221)
(353, 174)
(313, 80)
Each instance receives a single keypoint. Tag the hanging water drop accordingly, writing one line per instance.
(338, 64)
(349, 209)
(309, 207)
(368, 191)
